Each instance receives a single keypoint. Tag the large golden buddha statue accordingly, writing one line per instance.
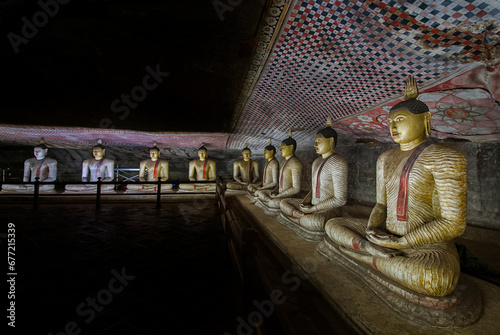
(245, 171)
(307, 217)
(270, 178)
(41, 167)
(421, 207)
(202, 170)
(94, 168)
(152, 170)
(290, 175)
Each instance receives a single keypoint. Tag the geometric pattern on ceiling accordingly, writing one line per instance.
(348, 58)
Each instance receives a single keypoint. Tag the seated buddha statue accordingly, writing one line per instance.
(245, 171)
(93, 168)
(270, 178)
(289, 181)
(151, 170)
(40, 167)
(307, 217)
(421, 206)
(203, 171)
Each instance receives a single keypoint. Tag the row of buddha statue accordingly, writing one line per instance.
(421, 192)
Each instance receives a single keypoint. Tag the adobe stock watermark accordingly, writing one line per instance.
(196, 208)
(49, 9)
(93, 305)
(266, 308)
(222, 6)
(139, 93)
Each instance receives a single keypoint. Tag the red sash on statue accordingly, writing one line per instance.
(283, 171)
(98, 170)
(156, 169)
(402, 204)
(39, 168)
(205, 170)
(265, 171)
(250, 170)
(318, 181)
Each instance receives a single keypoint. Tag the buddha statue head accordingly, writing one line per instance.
(288, 146)
(40, 150)
(246, 153)
(202, 153)
(98, 150)
(409, 120)
(269, 151)
(326, 139)
(154, 152)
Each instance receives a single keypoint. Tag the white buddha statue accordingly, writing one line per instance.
(94, 168)
(151, 170)
(290, 175)
(40, 167)
(307, 217)
(270, 177)
(202, 170)
(421, 206)
(245, 171)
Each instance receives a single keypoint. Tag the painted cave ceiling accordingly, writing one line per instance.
(230, 72)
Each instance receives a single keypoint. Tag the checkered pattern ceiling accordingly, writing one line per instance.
(349, 59)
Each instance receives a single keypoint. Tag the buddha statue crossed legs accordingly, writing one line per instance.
(152, 170)
(40, 167)
(245, 172)
(202, 170)
(94, 168)
(421, 207)
(307, 217)
(290, 175)
(270, 178)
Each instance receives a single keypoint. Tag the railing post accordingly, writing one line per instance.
(158, 193)
(36, 190)
(98, 195)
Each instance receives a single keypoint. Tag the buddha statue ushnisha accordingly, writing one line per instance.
(270, 177)
(40, 167)
(421, 207)
(152, 170)
(202, 170)
(329, 190)
(245, 171)
(94, 168)
(289, 179)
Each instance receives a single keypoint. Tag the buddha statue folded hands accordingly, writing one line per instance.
(94, 168)
(289, 180)
(421, 207)
(245, 171)
(203, 171)
(270, 177)
(307, 217)
(151, 170)
(41, 167)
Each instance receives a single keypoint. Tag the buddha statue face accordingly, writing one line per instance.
(286, 150)
(202, 154)
(323, 145)
(98, 153)
(40, 153)
(268, 154)
(154, 154)
(406, 127)
(246, 155)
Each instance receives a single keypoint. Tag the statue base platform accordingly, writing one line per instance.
(198, 187)
(91, 189)
(269, 211)
(461, 308)
(26, 189)
(148, 188)
(305, 234)
(358, 305)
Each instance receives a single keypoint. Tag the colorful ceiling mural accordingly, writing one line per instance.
(349, 59)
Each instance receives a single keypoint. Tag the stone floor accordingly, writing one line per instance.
(150, 271)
